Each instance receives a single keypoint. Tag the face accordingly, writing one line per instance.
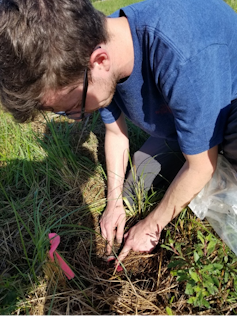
(99, 94)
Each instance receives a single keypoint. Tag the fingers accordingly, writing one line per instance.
(110, 241)
(119, 237)
(109, 246)
(123, 254)
(107, 235)
(126, 236)
(103, 231)
(120, 230)
(111, 227)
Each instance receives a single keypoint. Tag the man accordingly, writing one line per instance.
(168, 65)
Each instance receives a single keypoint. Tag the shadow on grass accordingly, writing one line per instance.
(61, 193)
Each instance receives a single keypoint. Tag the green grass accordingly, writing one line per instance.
(53, 180)
(232, 3)
(110, 6)
(41, 191)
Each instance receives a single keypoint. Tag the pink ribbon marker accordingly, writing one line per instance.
(111, 259)
(55, 241)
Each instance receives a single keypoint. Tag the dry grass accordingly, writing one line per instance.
(145, 287)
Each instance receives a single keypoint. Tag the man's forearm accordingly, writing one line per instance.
(116, 152)
(188, 182)
(113, 218)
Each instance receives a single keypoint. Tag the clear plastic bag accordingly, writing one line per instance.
(217, 201)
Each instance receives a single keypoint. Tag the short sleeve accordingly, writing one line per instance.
(199, 94)
(110, 113)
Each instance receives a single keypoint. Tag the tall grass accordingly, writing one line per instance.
(41, 191)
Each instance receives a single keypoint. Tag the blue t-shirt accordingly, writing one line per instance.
(185, 71)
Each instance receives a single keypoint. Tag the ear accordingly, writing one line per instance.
(100, 59)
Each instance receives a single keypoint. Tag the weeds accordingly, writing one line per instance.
(207, 268)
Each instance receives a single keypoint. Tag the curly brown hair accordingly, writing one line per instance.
(44, 45)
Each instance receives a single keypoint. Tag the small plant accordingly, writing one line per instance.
(139, 200)
(208, 269)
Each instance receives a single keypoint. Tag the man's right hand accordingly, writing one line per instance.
(116, 153)
(112, 224)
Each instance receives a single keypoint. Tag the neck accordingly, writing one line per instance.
(121, 46)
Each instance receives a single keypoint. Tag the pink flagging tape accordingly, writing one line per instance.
(55, 241)
(111, 259)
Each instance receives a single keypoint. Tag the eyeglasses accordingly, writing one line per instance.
(78, 115)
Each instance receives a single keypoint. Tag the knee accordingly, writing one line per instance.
(138, 157)
(144, 161)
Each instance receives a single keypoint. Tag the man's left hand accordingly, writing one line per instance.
(143, 237)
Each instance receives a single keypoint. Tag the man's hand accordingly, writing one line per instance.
(112, 225)
(143, 237)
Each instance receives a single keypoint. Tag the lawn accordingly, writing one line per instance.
(53, 180)
(109, 6)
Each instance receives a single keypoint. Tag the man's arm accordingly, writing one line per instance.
(116, 152)
(195, 173)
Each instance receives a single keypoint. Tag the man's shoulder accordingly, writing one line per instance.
(186, 27)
